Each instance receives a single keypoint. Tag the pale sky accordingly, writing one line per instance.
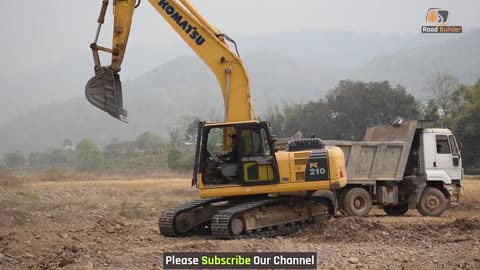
(37, 34)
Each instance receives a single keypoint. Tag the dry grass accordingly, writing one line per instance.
(150, 184)
(471, 189)
(124, 194)
(63, 175)
(66, 200)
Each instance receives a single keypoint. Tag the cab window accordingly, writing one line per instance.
(255, 142)
(214, 143)
(443, 146)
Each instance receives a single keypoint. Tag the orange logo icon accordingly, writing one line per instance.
(437, 16)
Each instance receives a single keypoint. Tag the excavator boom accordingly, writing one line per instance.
(104, 89)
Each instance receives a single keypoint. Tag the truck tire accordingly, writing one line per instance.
(432, 202)
(396, 210)
(341, 196)
(357, 202)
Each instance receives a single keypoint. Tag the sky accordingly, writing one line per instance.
(38, 34)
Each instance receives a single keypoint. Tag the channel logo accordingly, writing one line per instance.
(438, 20)
(437, 16)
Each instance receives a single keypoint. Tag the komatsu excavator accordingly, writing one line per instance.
(256, 191)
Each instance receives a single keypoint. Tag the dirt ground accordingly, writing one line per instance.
(113, 225)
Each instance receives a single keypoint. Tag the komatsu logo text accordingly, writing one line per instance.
(184, 24)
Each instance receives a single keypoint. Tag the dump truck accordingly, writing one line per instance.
(400, 166)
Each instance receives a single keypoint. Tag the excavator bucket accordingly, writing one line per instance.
(104, 91)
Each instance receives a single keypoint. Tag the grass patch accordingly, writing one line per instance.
(471, 190)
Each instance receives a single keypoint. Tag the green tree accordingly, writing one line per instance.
(39, 159)
(150, 143)
(191, 130)
(347, 111)
(443, 86)
(115, 150)
(88, 157)
(59, 157)
(431, 111)
(276, 119)
(67, 144)
(15, 159)
(465, 123)
(357, 105)
(174, 154)
(4, 172)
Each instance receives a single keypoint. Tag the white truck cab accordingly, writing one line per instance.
(441, 156)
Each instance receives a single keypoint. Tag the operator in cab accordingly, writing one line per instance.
(230, 159)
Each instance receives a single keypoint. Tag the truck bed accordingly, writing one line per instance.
(381, 156)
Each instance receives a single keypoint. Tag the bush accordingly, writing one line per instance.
(4, 172)
(15, 159)
(87, 157)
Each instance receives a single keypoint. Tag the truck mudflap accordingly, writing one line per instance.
(455, 192)
(416, 185)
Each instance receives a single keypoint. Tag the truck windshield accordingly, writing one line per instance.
(453, 145)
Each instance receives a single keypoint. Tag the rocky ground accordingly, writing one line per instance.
(112, 225)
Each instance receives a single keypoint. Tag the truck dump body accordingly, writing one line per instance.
(381, 156)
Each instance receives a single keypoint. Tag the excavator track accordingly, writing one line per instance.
(227, 224)
(167, 220)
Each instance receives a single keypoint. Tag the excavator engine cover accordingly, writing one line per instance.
(104, 91)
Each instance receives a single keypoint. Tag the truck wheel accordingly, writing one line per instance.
(341, 206)
(396, 210)
(357, 202)
(432, 202)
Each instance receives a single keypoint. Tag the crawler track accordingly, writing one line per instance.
(221, 222)
(167, 220)
(260, 218)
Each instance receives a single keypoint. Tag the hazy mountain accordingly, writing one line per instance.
(327, 51)
(336, 48)
(156, 100)
(185, 86)
(412, 67)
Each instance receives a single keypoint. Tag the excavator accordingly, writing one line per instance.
(256, 192)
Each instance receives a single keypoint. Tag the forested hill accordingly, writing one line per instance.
(185, 86)
(411, 67)
(321, 49)
(156, 100)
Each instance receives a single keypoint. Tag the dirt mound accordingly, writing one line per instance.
(14, 217)
(466, 206)
(346, 229)
(469, 223)
(109, 226)
(88, 225)
(66, 255)
(355, 229)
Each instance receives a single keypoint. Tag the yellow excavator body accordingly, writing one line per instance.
(253, 189)
(293, 168)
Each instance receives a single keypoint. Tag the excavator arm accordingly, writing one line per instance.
(104, 89)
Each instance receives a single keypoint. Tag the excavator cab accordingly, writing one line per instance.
(236, 154)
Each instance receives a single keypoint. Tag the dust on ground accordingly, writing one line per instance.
(112, 224)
